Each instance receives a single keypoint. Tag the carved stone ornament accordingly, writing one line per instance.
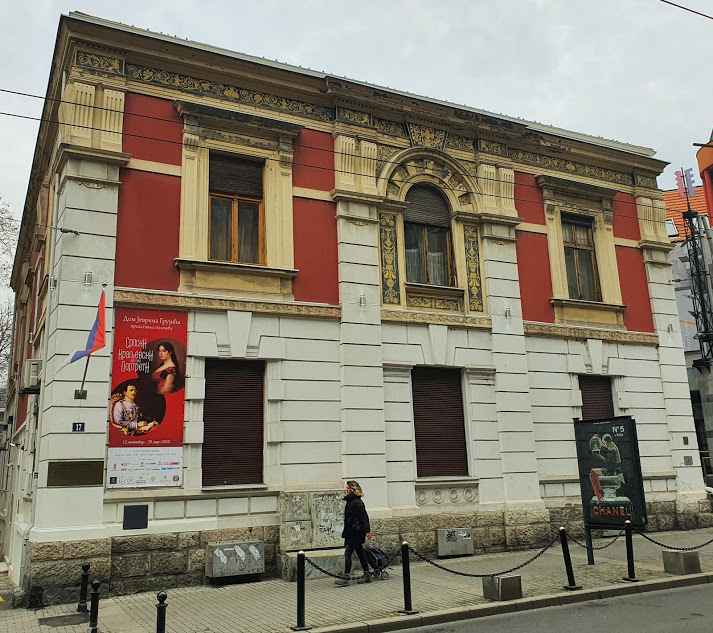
(111, 65)
(174, 300)
(564, 331)
(457, 494)
(472, 265)
(492, 147)
(353, 116)
(432, 166)
(390, 128)
(454, 320)
(571, 167)
(390, 284)
(423, 136)
(234, 94)
(433, 303)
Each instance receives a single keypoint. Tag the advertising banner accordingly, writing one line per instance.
(610, 472)
(147, 399)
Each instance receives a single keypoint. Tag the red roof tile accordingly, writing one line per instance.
(675, 206)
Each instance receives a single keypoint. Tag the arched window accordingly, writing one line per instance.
(427, 233)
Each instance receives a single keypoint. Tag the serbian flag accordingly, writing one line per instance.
(97, 336)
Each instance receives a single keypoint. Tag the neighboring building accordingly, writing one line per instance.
(698, 377)
(308, 279)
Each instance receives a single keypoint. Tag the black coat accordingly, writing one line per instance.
(356, 520)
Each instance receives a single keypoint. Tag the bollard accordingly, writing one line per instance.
(301, 594)
(408, 606)
(94, 608)
(630, 553)
(82, 604)
(572, 585)
(161, 612)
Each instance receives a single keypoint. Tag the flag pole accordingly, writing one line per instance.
(81, 393)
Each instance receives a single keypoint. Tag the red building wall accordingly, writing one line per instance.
(147, 230)
(625, 223)
(533, 265)
(315, 234)
(313, 160)
(153, 129)
(634, 289)
(528, 199)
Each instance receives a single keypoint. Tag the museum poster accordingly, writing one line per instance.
(610, 472)
(147, 398)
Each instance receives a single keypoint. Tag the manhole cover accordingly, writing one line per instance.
(65, 620)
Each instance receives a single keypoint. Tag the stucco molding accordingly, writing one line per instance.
(547, 330)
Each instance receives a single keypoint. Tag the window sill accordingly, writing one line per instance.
(235, 280)
(440, 482)
(589, 313)
(430, 297)
(253, 269)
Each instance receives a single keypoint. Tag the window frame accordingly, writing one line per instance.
(235, 202)
(587, 222)
(451, 279)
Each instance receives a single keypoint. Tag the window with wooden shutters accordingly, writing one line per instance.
(233, 422)
(597, 399)
(439, 422)
(236, 209)
(427, 237)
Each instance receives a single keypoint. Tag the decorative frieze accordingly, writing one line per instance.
(492, 147)
(234, 94)
(433, 303)
(440, 494)
(571, 167)
(182, 301)
(390, 128)
(581, 333)
(459, 142)
(472, 264)
(109, 64)
(423, 136)
(454, 320)
(353, 116)
(390, 284)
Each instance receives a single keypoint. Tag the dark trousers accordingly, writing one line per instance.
(350, 547)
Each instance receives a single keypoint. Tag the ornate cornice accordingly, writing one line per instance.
(405, 316)
(181, 301)
(571, 332)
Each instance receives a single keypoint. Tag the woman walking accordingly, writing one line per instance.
(356, 531)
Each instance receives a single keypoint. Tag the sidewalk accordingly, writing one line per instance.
(270, 606)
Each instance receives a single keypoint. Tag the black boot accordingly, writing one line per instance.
(367, 576)
(342, 581)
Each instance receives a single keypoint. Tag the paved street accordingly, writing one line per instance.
(661, 612)
(270, 606)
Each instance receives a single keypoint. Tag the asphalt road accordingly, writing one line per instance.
(688, 609)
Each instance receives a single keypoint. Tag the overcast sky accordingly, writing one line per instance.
(632, 70)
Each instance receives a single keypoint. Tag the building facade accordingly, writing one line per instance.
(308, 279)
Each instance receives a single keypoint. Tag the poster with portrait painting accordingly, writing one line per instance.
(146, 407)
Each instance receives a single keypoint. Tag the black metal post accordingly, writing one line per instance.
(82, 604)
(94, 608)
(408, 606)
(300, 594)
(571, 584)
(630, 553)
(588, 542)
(161, 612)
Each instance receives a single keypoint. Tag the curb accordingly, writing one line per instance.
(397, 623)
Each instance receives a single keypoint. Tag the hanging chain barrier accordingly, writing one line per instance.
(584, 545)
(671, 547)
(342, 576)
(497, 573)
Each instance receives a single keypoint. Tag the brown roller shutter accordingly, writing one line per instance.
(596, 397)
(426, 205)
(235, 176)
(233, 422)
(438, 422)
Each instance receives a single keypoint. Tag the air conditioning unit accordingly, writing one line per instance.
(31, 375)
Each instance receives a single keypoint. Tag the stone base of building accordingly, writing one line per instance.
(155, 562)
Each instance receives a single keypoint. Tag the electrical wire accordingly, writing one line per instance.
(318, 167)
(680, 6)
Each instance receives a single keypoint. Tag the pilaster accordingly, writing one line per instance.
(672, 365)
(512, 395)
(362, 380)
